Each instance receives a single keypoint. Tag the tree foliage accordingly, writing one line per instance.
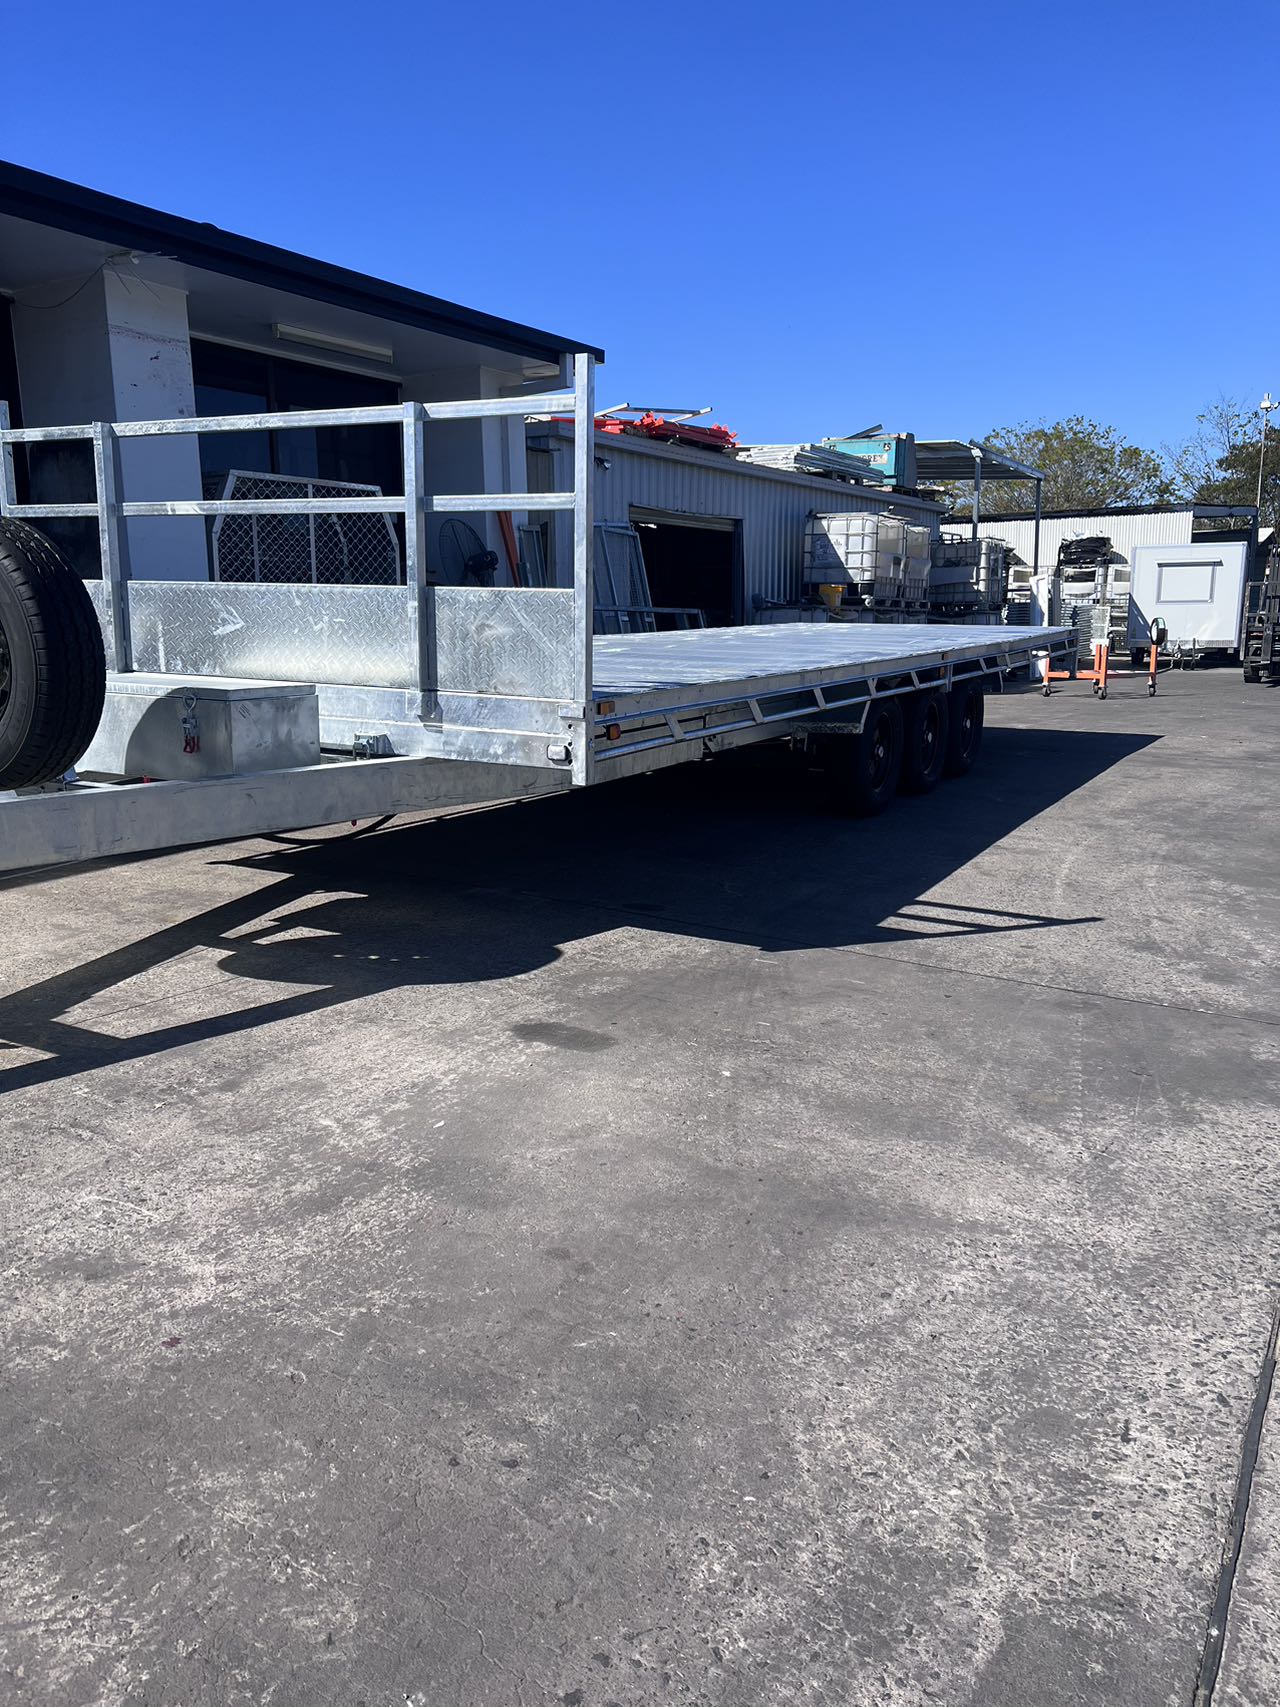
(1218, 464)
(1086, 466)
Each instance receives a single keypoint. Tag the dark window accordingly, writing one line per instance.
(238, 382)
(50, 473)
(9, 364)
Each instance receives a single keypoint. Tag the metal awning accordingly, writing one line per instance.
(971, 459)
(957, 459)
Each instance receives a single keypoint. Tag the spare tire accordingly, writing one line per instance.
(53, 672)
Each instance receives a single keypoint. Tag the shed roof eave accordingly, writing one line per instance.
(721, 462)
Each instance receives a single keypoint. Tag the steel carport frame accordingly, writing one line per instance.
(972, 459)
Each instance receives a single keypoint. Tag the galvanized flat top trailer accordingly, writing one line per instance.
(421, 695)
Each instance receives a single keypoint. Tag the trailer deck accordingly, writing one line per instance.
(810, 652)
(733, 684)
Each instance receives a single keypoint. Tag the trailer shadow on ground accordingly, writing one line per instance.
(747, 850)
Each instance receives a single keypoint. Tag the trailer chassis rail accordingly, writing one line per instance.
(74, 822)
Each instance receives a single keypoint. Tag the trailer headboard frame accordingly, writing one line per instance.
(469, 664)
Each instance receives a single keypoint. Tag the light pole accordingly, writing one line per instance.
(1265, 408)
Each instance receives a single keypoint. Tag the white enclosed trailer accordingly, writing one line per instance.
(1197, 590)
(429, 695)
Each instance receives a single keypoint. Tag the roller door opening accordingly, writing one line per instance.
(693, 562)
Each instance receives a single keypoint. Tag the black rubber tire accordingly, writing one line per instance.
(53, 674)
(926, 723)
(1252, 673)
(964, 727)
(869, 765)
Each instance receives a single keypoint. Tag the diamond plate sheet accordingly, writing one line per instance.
(512, 641)
(358, 635)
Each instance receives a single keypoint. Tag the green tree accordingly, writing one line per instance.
(1086, 466)
(1218, 464)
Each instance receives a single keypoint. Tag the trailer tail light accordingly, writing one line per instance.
(613, 731)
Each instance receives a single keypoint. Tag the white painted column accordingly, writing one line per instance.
(150, 344)
(117, 348)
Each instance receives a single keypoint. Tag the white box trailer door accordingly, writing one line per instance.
(1197, 589)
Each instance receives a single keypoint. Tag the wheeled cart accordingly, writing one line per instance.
(1103, 671)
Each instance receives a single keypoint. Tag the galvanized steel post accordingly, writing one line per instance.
(584, 437)
(8, 487)
(415, 553)
(113, 543)
(977, 488)
(1035, 554)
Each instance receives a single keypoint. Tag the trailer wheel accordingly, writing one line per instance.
(1252, 673)
(964, 730)
(925, 726)
(871, 763)
(53, 675)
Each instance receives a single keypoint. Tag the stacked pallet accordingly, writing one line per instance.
(807, 459)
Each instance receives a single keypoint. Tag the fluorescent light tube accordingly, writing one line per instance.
(333, 341)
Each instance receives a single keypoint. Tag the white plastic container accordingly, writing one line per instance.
(915, 576)
(866, 552)
(969, 572)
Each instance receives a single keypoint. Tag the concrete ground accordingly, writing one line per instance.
(667, 1245)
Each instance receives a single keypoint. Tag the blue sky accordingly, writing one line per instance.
(940, 217)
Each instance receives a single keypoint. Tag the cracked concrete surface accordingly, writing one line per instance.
(668, 1245)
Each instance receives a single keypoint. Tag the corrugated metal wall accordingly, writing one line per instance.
(1153, 527)
(772, 505)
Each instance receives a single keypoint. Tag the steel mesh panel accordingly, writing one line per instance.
(332, 550)
(621, 579)
(361, 636)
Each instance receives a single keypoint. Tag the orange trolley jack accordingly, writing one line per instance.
(1102, 672)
